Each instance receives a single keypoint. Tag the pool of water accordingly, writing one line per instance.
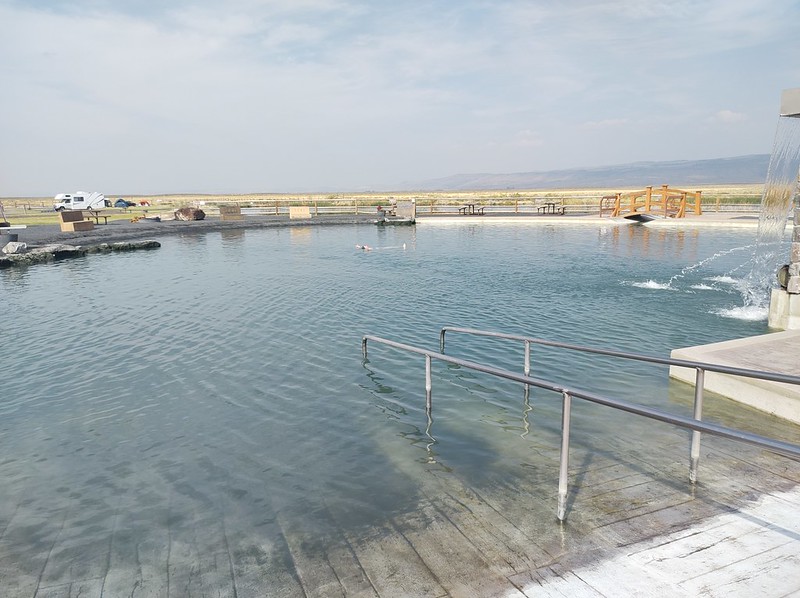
(220, 378)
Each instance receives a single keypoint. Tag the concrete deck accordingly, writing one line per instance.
(708, 219)
(739, 554)
(778, 352)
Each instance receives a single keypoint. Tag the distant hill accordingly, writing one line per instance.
(680, 173)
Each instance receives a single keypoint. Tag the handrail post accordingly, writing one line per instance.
(428, 384)
(694, 453)
(364, 346)
(564, 467)
(441, 339)
(527, 367)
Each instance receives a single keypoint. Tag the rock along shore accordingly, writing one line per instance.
(60, 251)
(47, 243)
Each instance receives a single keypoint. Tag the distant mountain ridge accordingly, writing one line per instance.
(680, 173)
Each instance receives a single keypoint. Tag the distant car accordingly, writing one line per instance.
(121, 203)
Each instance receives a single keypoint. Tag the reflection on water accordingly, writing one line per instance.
(300, 234)
(179, 410)
(232, 236)
(428, 430)
(526, 427)
(640, 241)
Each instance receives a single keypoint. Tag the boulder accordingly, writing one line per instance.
(15, 247)
(60, 251)
(123, 246)
(189, 214)
(134, 245)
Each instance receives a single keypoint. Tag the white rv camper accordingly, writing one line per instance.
(81, 201)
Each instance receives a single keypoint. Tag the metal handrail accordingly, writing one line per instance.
(694, 424)
(700, 369)
(709, 367)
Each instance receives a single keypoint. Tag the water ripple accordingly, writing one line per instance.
(224, 373)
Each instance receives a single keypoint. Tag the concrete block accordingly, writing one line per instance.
(775, 352)
(70, 216)
(83, 225)
(299, 212)
(784, 310)
(790, 102)
(793, 286)
(230, 212)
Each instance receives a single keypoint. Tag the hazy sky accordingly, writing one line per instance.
(322, 95)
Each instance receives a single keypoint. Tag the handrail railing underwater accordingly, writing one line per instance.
(694, 423)
(700, 369)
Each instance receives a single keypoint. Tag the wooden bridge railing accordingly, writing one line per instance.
(670, 203)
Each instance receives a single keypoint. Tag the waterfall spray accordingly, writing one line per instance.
(777, 201)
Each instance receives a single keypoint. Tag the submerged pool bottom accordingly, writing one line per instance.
(211, 427)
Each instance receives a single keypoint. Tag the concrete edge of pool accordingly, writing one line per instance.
(710, 219)
(773, 352)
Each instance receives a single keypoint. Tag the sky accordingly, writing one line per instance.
(261, 96)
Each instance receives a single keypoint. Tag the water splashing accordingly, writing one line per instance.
(672, 283)
(780, 190)
(703, 262)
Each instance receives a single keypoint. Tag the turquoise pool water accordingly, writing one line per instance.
(220, 378)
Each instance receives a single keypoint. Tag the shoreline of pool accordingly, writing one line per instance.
(116, 231)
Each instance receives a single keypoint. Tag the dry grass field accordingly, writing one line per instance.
(38, 210)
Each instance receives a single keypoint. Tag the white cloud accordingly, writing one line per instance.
(607, 123)
(527, 138)
(331, 93)
(727, 117)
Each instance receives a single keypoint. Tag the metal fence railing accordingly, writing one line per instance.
(695, 423)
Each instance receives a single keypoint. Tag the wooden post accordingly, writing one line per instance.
(664, 196)
(648, 199)
(698, 208)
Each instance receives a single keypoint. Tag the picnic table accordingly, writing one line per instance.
(471, 210)
(97, 215)
(549, 207)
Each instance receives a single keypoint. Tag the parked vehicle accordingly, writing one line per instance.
(81, 200)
